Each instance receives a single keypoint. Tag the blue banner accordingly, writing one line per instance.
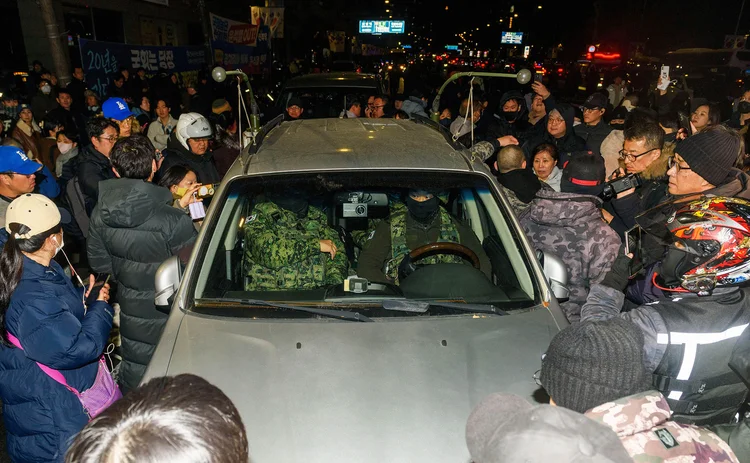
(101, 61)
(252, 60)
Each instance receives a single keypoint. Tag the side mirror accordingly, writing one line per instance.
(556, 273)
(166, 283)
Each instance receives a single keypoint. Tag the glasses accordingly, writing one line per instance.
(632, 157)
(553, 120)
(672, 162)
(110, 139)
(378, 106)
(586, 110)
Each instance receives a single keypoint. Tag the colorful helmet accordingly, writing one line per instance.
(192, 125)
(711, 245)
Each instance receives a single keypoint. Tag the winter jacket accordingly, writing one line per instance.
(133, 229)
(414, 107)
(42, 104)
(571, 227)
(498, 126)
(593, 135)
(568, 143)
(520, 187)
(29, 137)
(64, 159)
(159, 134)
(554, 179)
(642, 422)
(203, 166)
(461, 126)
(47, 315)
(92, 168)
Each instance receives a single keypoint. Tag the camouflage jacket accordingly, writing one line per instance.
(571, 227)
(642, 422)
(283, 251)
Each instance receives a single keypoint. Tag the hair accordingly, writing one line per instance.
(11, 265)
(465, 105)
(174, 175)
(70, 135)
(118, 76)
(714, 114)
(510, 158)
(133, 157)
(166, 102)
(44, 81)
(648, 131)
(182, 418)
(96, 125)
(49, 123)
(352, 100)
(670, 120)
(385, 98)
(401, 115)
(65, 91)
(546, 148)
(10, 141)
(632, 98)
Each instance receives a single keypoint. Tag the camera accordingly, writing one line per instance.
(355, 210)
(617, 186)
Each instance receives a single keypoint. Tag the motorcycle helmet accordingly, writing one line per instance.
(192, 125)
(710, 248)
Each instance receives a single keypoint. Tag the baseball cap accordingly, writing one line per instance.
(596, 100)
(117, 109)
(583, 174)
(37, 212)
(14, 160)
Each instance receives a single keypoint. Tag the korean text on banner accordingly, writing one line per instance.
(230, 31)
(252, 60)
(271, 17)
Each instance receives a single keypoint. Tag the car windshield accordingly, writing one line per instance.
(359, 240)
(327, 101)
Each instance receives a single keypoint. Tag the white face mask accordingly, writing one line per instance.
(46, 89)
(64, 147)
(60, 244)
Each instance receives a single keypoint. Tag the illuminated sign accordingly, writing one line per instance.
(406, 47)
(511, 38)
(526, 51)
(381, 27)
(451, 47)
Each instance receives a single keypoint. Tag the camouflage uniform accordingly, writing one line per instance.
(571, 227)
(642, 422)
(283, 251)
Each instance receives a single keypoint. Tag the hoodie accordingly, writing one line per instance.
(568, 143)
(499, 126)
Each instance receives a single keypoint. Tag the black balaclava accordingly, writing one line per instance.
(290, 200)
(425, 211)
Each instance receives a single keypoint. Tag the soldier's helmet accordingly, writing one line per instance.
(711, 245)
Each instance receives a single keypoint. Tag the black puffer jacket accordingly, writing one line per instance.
(92, 167)
(134, 228)
(499, 126)
(203, 166)
(568, 143)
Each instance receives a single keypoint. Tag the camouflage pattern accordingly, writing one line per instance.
(360, 236)
(399, 248)
(642, 422)
(283, 251)
(518, 206)
(571, 227)
(482, 150)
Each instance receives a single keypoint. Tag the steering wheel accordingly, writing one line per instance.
(408, 265)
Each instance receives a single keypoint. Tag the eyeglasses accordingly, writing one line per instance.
(110, 139)
(632, 157)
(672, 162)
(378, 106)
(591, 109)
(553, 120)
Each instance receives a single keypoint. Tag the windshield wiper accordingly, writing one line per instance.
(332, 313)
(423, 306)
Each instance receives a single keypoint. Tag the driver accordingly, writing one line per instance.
(289, 245)
(423, 222)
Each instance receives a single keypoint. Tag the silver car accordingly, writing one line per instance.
(360, 372)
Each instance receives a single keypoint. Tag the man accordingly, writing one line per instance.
(93, 163)
(294, 109)
(118, 88)
(519, 183)
(133, 229)
(198, 101)
(416, 104)
(511, 119)
(617, 91)
(559, 132)
(423, 222)
(17, 176)
(76, 88)
(370, 106)
(379, 106)
(71, 119)
(289, 245)
(596, 368)
(27, 132)
(538, 110)
(139, 87)
(594, 130)
(355, 108)
(569, 224)
(44, 101)
(118, 111)
(189, 145)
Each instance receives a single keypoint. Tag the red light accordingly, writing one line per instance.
(589, 56)
(607, 55)
(560, 70)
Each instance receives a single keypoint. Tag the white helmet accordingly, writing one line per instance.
(192, 125)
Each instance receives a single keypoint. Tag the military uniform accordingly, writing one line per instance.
(282, 251)
(642, 422)
(392, 240)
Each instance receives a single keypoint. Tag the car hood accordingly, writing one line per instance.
(397, 390)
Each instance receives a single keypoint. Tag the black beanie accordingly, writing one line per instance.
(594, 362)
(711, 154)
(583, 174)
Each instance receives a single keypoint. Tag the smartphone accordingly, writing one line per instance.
(684, 121)
(538, 77)
(664, 74)
(633, 244)
(101, 280)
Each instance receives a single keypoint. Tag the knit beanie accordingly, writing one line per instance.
(711, 154)
(583, 174)
(594, 362)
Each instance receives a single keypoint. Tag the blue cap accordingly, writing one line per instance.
(14, 160)
(117, 109)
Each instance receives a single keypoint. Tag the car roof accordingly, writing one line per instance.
(333, 79)
(352, 144)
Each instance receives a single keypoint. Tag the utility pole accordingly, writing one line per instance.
(206, 26)
(742, 8)
(59, 54)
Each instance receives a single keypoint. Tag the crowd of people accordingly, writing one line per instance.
(648, 209)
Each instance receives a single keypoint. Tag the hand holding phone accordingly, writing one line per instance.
(98, 289)
(664, 78)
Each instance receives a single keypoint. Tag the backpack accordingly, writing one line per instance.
(76, 200)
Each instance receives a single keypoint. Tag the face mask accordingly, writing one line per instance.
(423, 211)
(60, 244)
(64, 147)
(743, 107)
(46, 89)
(299, 206)
(510, 116)
(94, 108)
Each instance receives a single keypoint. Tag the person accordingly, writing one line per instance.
(741, 114)
(519, 183)
(464, 123)
(166, 419)
(423, 221)
(416, 104)
(545, 165)
(139, 87)
(118, 89)
(67, 145)
(616, 91)
(295, 109)
(691, 329)
(198, 101)
(398, 101)
(594, 130)
(289, 245)
(161, 128)
(379, 106)
(559, 132)
(354, 109)
(446, 118)
(226, 146)
(92, 104)
(48, 151)
(71, 119)
(511, 118)
(130, 209)
(400, 115)
(538, 111)
(569, 224)
(77, 88)
(93, 164)
(28, 132)
(44, 101)
(370, 106)
(182, 183)
(16, 177)
(221, 113)
(596, 368)
(705, 116)
(45, 180)
(189, 145)
(117, 111)
(142, 113)
(44, 322)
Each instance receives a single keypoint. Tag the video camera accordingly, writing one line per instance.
(613, 188)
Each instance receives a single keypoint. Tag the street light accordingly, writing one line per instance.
(539, 7)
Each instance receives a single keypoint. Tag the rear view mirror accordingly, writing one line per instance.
(166, 283)
(556, 273)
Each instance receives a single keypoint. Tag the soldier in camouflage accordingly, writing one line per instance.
(288, 245)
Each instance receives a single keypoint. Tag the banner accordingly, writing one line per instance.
(101, 60)
(336, 41)
(230, 31)
(252, 60)
(158, 32)
(271, 17)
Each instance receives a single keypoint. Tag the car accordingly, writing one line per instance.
(323, 95)
(357, 371)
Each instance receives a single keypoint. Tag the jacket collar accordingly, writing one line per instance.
(633, 414)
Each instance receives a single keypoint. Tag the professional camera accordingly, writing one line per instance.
(617, 186)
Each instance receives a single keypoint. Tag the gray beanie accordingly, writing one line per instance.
(594, 362)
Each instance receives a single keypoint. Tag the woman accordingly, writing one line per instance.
(40, 308)
(705, 116)
(67, 144)
(160, 129)
(545, 165)
(28, 132)
(93, 106)
(48, 151)
(182, 183)
(143, 112)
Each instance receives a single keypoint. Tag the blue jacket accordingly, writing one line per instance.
(46, 314)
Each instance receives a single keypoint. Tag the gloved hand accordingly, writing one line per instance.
(619, 274)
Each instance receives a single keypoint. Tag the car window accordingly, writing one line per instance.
(326, 102)
(266, 242)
